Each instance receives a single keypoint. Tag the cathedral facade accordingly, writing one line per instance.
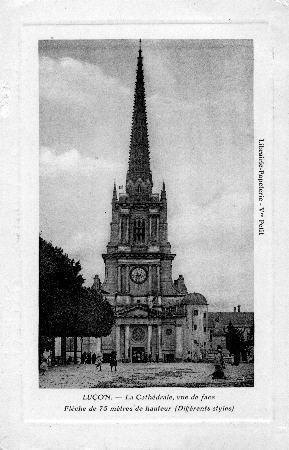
(157, 319)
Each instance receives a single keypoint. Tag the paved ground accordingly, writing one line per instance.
(145, 375)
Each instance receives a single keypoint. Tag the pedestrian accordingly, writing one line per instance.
(113, 361)
(89, 358)
(46, 354)
(93, 358)
(98, 361)
(43, 366)
(219, 365)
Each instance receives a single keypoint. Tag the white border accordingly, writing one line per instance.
(14, 433)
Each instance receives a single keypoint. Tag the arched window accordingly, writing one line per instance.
(139, 231)
(124, 229)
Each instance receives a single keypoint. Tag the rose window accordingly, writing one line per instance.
(138, 334)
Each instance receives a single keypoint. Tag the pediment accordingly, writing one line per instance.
(136, 311)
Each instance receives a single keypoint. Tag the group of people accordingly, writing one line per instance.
(97, 360)
(88, 358)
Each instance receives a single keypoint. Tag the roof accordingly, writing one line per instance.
(238, 319)
(194, 299)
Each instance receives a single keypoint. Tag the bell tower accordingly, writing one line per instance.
(138, 261)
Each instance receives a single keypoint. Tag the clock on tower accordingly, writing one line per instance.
(138, 275)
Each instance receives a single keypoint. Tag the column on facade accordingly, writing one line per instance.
(150, 279)
(179, 342)
(149, 339)
(117, 342)
(127, 229)
(126, 342)
(119, 278)
(127, 278)
(157, 230)
(150, 227)
(158, 278)
(160, 342)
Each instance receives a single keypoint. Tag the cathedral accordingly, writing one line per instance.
(157, 319)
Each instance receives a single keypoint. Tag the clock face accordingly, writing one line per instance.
(138, 275)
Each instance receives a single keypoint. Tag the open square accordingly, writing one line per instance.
(181, 374)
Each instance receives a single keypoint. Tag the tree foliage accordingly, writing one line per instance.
(234, 339)
(95, 316)
(66, 307)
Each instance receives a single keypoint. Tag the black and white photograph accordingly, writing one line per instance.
(146, 213)
(144, 192)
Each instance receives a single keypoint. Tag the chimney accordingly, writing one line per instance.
(239, 308)
(235, 309)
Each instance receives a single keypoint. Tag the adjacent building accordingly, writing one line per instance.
(218, 323)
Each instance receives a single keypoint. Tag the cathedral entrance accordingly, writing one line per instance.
(138, 354)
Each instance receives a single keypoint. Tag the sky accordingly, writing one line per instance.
(199, 96)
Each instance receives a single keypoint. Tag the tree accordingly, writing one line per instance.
(60, 282)
(95, 315)
(66, 307)
(234, 342)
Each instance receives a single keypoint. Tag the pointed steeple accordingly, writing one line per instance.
(163, 192)
(139, 157)
(114, 194)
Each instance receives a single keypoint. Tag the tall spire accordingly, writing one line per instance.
(139, 157)
(114, 194)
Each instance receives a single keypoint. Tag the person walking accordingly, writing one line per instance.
(43, 366)
(113, 361)
(98, 361)
(219, 365)
(93, 358)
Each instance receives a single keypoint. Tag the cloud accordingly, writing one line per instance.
(74, 81)
(82, 107)
(224, 224)
(72, 162)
